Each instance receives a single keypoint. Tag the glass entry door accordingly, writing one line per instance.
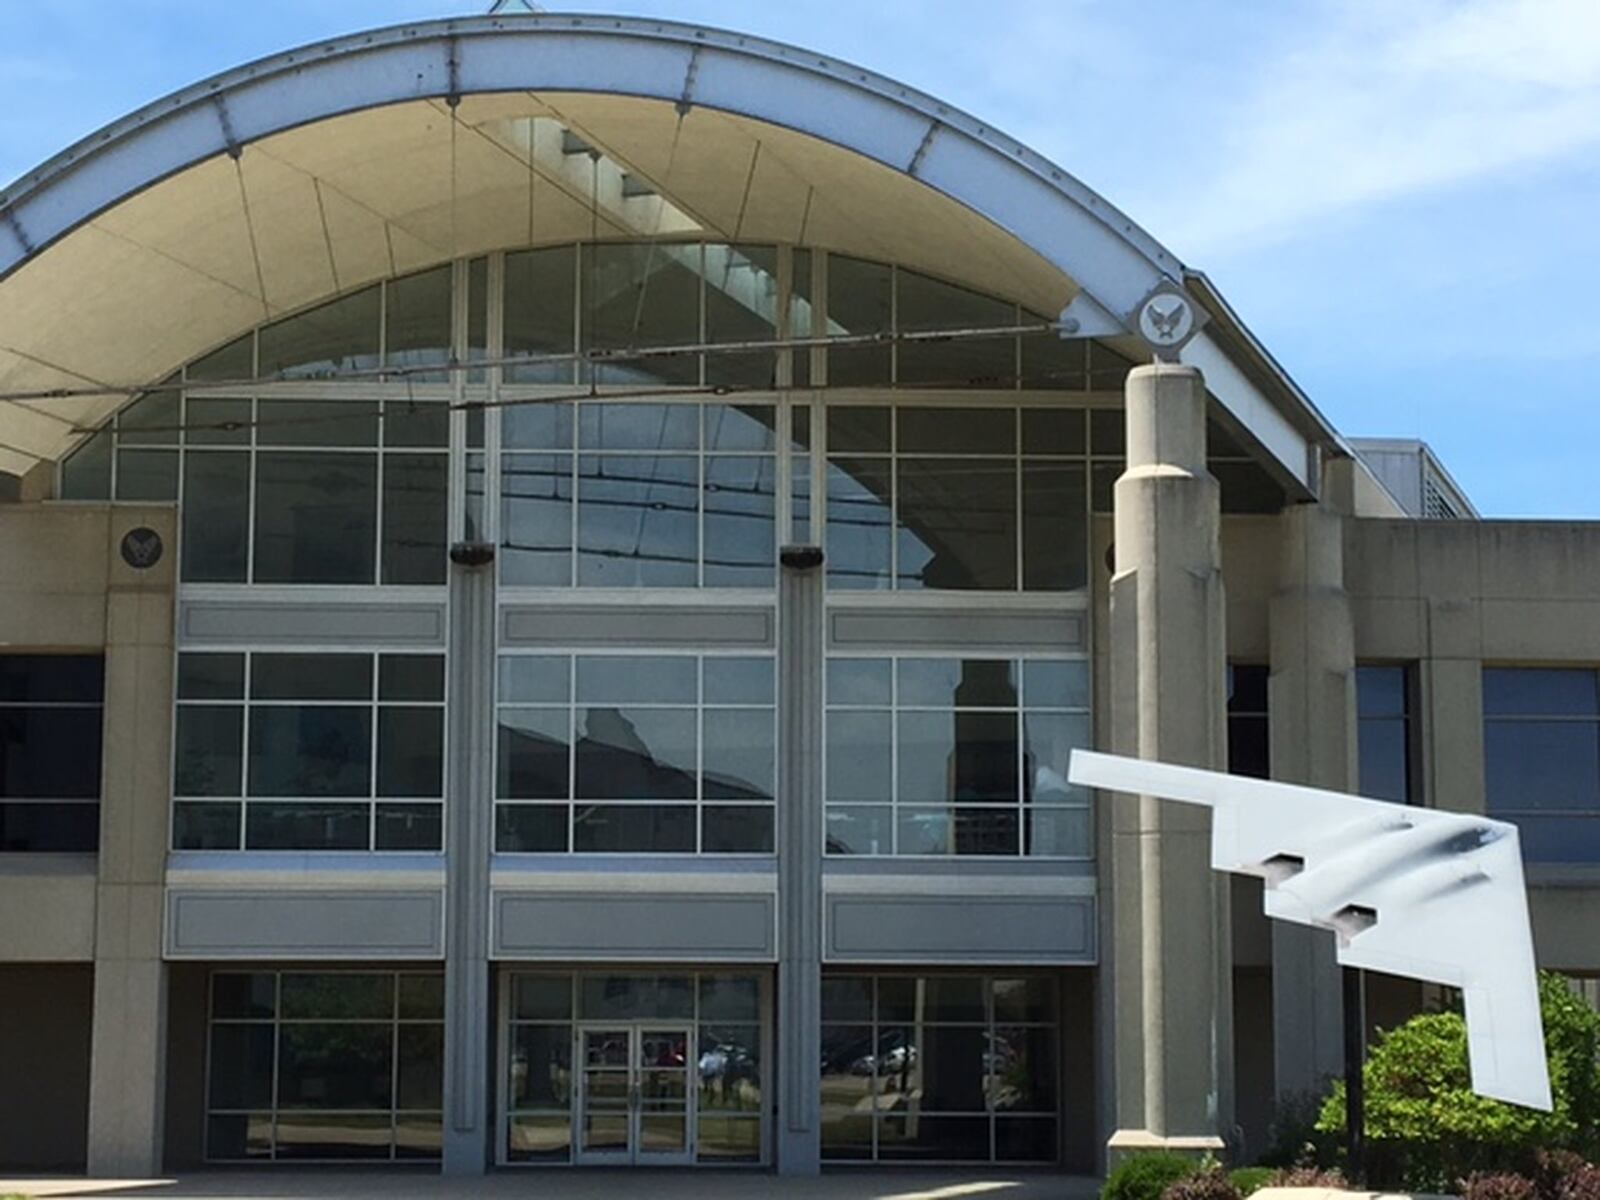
(634, 1098)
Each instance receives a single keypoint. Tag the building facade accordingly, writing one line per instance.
(553, 569)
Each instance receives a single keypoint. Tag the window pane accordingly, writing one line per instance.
(1108, 431)
(147, 475)
(749, 427)
(740, 521)
(49, 828)
(151, 420)
(1050, 684)
(417, 316)
(860, 300)
(542, 998)
(858, 753)
(59, 678)
(1560, 839)
(317, 423)
(741, 306)
(209, 751)
(1020, 1069)
(316, 517)
(364, 995)
(50, 753)
(531, 828)
(542, 1138)
(1542, 765)
(342, 335)
(1384, 773)
(311, 677)
(925, 998)
(634, 828)
(859, 681)
(409, 827)
(957, 523)
(736, 829)
(957, 430)
(859, 521)
(232, 362)
(210, 676)
(1381, 691)
(408, 423)
(1025, 1139)
(414, 518)
(958, 756)
(1048, 742)
(1054, 363)
(541, 1064)
(536, 519)
(642, 295)
(858, 429)
(216, 517)
(638, 521)
(740, 753)
(410, 751)
(241, 1066)
(537, 425)
(846, 998)
(635, 753)
(962, 1139)
(652, 679)
(624, 997)
(724, 998)
(738, 680)
(540, 312)
(1029, 998)
(730, 1067)
(411, 677)
(244, 995)
(534, 754)
(1055, 538)
(860, 829)
(1528, 692)
(205, 826)
(1053, 430)
(300, 825)
(421, 1068)
(536, 677)
(310, 751)
(315, 1136)
(1058, 832)
(330, 1066)
(86, 472)
(930, 304)
(957, 682)
(951, 830)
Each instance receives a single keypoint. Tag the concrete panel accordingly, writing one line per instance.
(714, 927)
(636, 625)
(1564, 923)
(44, 1048)
(225, 623)
(959, 929)
(47, 907)
(1538, 631)
(308, 924)
(1389, 627)
(906, 628)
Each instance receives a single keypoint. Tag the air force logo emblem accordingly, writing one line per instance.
(141, 548)
(1167, 318)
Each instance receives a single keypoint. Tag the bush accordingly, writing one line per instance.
(1208, 1183)
(1147, 1176)
(1497, 1185)
(1551, 1169)
(1252, 1179)
(1309, 1177)
(1581, 1184)
(1427, 1129)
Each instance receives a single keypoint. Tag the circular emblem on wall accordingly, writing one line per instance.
(1166, 319)
(141, 548)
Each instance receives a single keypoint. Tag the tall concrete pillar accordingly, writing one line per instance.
(799, 1123)
(1312, 714)
(127, 1065)
(1171, 968)
(468, 840)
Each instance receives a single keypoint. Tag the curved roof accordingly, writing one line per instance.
(298, 177)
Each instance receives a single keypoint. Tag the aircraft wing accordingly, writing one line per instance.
(1417, 892)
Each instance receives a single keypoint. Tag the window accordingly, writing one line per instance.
(662, 754)
(989, 499)
(722, 1016)
(639, 495)
(1249, 731)
(1541, 743)
(1383, 707)
(50, 730)
(940, 756)
(309, 752)
(329, 1066)
(939, 1068)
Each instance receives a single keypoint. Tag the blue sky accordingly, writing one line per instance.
(1400, 199)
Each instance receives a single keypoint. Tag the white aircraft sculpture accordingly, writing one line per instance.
(1409, 891)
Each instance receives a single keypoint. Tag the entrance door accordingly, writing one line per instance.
(635, 1102)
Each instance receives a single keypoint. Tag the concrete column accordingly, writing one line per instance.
(1312, 710)
(799, 1122)
(127, 1067)
(1171, 963)
(469, 836)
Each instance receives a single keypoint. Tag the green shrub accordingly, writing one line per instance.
(1252, 1179)
(1427, 1129)
(1147, 1176)
(1210, 1182)
(1497, 1185)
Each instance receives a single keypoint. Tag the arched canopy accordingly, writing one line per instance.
(299, 177)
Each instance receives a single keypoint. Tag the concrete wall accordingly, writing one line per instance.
(44, 1047)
